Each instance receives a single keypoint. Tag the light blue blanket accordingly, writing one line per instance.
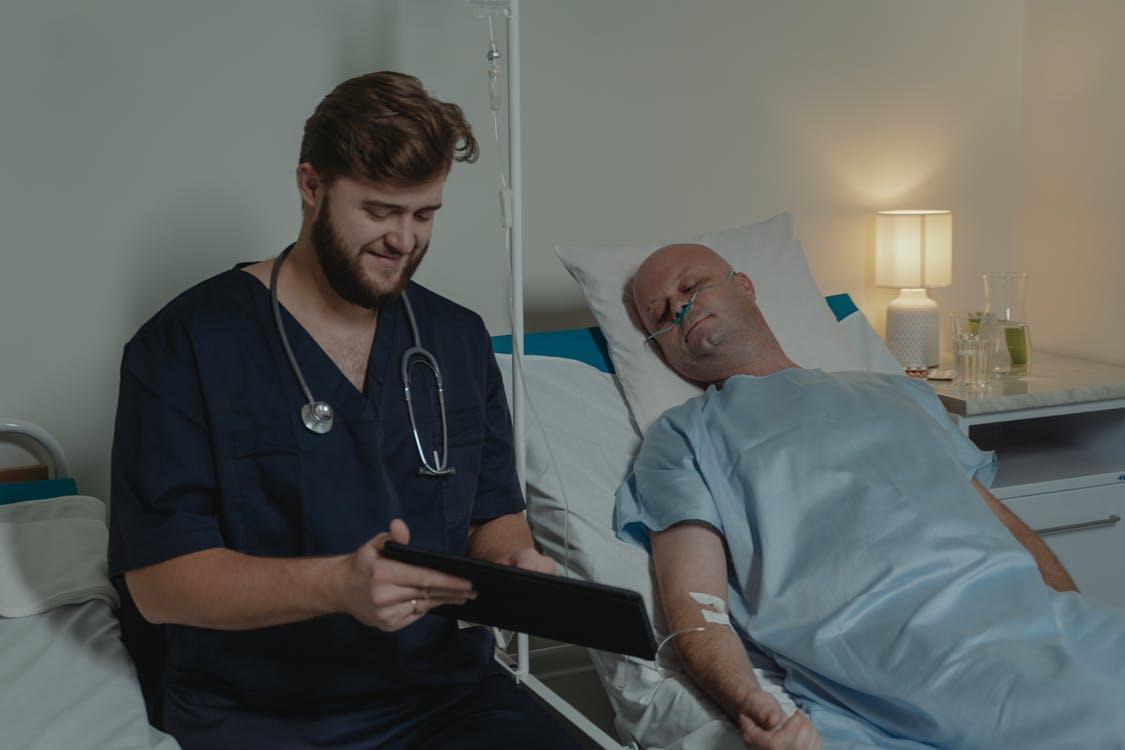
(903, 612)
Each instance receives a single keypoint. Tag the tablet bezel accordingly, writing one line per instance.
(615, 618)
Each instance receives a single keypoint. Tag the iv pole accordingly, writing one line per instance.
(511, 220)
(515, 169)
(511, 213)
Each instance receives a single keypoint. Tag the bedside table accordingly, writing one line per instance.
(1059, 435)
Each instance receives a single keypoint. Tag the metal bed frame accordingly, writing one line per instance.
(38, 441)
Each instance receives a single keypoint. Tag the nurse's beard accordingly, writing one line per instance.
(345, 271)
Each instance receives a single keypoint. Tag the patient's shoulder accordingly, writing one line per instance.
(680, 417)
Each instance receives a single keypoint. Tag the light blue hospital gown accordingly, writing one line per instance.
(860, 558)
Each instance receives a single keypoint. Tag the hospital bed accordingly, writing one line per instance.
(68, 680)
(580, 440)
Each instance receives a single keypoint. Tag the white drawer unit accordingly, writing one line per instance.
(1084, 529)
(1059, 436)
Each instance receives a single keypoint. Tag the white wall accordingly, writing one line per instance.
(1072, 227)
(145, 146)
(148, 145)
(648, 120)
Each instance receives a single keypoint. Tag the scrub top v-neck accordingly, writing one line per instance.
(209, 451)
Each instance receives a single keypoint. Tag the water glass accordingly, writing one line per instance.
(972, 359)
(973, 336)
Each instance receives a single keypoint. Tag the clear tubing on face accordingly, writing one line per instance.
(687, 306)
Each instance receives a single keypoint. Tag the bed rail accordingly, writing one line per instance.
(38, 441)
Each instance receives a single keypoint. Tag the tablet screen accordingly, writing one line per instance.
(562, 609)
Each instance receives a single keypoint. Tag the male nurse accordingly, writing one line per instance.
(255, 539)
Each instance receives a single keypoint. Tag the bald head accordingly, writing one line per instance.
(723, 333)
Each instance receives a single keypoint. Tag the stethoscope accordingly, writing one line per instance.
(317, 415)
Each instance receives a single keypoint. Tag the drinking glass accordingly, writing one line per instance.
(1006, 300)
(973, 334)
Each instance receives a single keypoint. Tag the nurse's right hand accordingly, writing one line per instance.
(388, 594)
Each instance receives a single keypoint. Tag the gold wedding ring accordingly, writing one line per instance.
(414, 605)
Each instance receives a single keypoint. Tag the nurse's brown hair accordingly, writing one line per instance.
(385, 128)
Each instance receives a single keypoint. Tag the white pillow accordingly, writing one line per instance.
(867, 345)
(773, 259)
(52, 553)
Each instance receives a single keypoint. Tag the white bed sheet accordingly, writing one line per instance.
(68, 682)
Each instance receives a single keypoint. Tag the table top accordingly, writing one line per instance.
(1055, 380)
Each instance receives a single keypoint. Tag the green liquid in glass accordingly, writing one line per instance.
(1016, 338)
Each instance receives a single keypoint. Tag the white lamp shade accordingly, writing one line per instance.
(913, 249)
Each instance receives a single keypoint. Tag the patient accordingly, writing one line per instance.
(846, 525)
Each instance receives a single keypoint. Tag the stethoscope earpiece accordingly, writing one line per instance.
(317, 415)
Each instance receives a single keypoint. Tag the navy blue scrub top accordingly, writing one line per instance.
(210, 451)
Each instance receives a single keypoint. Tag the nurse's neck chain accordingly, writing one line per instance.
(317, 415)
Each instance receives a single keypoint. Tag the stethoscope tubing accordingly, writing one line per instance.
(317, 416)
(281, 326)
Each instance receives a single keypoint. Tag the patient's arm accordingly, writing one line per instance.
(1054, 575)
(689, 557)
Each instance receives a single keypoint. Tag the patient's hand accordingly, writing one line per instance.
(764, 726)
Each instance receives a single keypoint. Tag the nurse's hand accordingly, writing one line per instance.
(763, 728)
(388, 594)
(529, 559)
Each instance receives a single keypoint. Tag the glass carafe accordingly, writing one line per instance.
(1005, 296)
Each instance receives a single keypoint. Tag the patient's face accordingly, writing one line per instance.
(704, 344)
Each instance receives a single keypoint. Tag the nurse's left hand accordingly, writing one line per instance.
(389, 595)
(529, 559)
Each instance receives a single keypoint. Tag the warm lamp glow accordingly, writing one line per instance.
(913, 253)
(913, 249)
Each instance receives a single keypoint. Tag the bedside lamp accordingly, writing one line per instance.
(913, 253)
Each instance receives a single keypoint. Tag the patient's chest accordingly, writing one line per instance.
(795, 432)
(832, 486)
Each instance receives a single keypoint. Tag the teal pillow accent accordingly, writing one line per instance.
(589, 345)
(584, 344)
(841, 305)
(16, 492)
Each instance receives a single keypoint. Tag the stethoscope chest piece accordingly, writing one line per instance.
(317, 417)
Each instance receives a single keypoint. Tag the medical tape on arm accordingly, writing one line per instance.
(714, 611)
(718, 614)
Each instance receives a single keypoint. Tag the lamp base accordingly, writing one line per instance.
(912, 329)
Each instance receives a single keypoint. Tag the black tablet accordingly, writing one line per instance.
(562, 609)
